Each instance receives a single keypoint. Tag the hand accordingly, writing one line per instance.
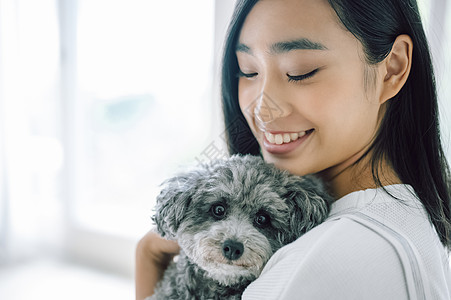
(153, 255)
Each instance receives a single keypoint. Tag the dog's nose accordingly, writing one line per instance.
(232, 249)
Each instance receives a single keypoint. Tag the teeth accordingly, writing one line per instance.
(279, 139)
(270, 137)
(286, 138)
(282, 138)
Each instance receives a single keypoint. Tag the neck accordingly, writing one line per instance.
(350, 176)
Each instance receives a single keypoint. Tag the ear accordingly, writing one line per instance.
(309, 203)
(173, 202)
(396, 67)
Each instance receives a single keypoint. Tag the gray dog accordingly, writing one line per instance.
(229, 217)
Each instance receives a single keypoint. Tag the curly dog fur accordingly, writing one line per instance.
(229, 217)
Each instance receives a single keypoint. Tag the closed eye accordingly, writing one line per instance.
(298, 78)
(247, 75)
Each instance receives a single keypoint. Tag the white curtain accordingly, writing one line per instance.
(31, 154)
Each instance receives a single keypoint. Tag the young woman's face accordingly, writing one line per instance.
(302, 87)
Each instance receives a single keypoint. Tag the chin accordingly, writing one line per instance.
(286, 163)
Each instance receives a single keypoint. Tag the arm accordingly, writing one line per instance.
(153, 255)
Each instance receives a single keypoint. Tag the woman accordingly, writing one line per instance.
(343, 89)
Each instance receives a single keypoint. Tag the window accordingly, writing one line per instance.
(143, 106)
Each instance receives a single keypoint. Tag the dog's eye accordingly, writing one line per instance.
(262, 220)
(218, 211)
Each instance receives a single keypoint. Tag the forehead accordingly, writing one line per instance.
(241, 186)
(233, 193)
(273, 21)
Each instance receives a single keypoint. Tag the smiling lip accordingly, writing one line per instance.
(284, 148)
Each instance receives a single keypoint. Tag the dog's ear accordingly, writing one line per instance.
(173, 201)
(309, 203)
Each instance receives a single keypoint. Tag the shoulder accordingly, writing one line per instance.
(339, 259)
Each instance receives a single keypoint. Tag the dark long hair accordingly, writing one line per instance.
(409, 133)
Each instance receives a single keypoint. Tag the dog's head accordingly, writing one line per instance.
(231, 215)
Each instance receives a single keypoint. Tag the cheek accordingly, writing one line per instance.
(247, 97)
(247, 94)
(346, 129)
(341, 104)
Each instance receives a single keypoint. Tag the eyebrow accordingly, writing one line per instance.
(286, 46)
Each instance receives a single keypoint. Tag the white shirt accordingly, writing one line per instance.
(370, 247)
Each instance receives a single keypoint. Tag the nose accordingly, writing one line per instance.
(232, 249)
(267, 109)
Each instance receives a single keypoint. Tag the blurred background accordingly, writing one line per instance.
(100, 101)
